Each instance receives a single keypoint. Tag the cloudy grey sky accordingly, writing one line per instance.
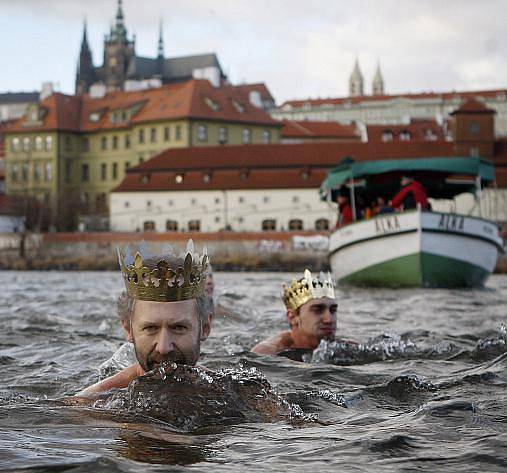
(299, 48)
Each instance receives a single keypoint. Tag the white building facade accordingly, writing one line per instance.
(248, 210)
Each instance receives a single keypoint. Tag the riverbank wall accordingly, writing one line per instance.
(229, 251)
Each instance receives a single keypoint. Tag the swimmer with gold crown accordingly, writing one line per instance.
(168, 313)
(311, 312)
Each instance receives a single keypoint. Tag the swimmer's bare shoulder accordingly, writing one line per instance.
(119, 380)
(274, 344)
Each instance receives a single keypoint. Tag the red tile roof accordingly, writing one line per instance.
(409, 96)
(262, 166)
(418, 130)
(473, 105)
(312, 129)
(196, 99)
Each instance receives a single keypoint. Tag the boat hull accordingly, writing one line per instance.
(415, 249)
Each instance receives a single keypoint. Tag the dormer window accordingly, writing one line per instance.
(430, 135)
(387, 135)
(404, 135)
(239, 108)
(211, 104)
(145, 179)
(207, 177)
(178, 179)
(94, 117)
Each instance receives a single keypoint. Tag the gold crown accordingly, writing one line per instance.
(306, 289)
(163, 283)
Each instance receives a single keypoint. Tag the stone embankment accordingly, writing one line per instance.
(268, 251)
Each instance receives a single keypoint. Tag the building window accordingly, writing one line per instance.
(474, 152)
(295, 199)
(246, 136)
(115, 142)
(15, 144)
(103, 171)
(222, 135)
(217, 200)
(49, 143)
(115, 171)
(14, 173)
(170, 203)
(167, 133)
(141, 160)
(266, 136)
(194, 226)
(68, 143)
(101, 202)
(127, 165)
(85, 201)
(241, 200)
(39, 144)
(36, 172)
(68, 171)
(240, 219)
(149, 226)
(206, 178)
(26, 143)
(178, 132)
(404, 135)
(474, 128)
(127, 141)
(305, 175)
(148, 203)
(193, 201)
(48, 172)
(85, 173)
(217, 219)
(265, 199)
(430, 135)
(268, 225)
(178, 179)
(296, 224)
(103, 143)
(202, 133)
(387, 135)
(24, 172)
(126, 204)
(171, 226)
(153, 135)
(85, 144)
(322, 224)
(141, 135)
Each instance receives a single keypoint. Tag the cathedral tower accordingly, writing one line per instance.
(356, 82)
(85, 74)
(119, 54)
(377, 87)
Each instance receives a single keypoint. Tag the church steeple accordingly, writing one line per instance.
(160, 48)
(356, 82)
(378, 82)
(85, 74)
(119, 32)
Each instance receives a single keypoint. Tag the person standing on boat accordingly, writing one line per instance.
(345, 210)
(411, 195)
(311, 312)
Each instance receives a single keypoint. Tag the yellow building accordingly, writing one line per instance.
(70, 151)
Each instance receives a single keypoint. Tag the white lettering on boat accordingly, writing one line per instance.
(387, 224)
(452, 222)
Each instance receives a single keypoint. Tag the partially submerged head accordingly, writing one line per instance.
(164, 311)
(311, 307)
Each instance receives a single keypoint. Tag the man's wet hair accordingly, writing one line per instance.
(126, 302)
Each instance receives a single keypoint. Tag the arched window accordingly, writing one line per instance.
(322, 224)
(149, 226)
(202, 133)
(38, 143)
(194, 225)
(268, 225)
(171, 226)
(246, 136)
(296, 224)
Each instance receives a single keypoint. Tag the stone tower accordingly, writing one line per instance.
(119, 54)
(356, 83)
(377, 87)
(85, 74)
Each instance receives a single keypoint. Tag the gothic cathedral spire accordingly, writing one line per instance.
(356, 81)
(378, 82)
(160, 49)
(85, 74)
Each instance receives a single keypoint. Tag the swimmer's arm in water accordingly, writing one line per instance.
(119, 380)
(273, 345)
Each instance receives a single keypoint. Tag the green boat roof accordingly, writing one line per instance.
(435, 173)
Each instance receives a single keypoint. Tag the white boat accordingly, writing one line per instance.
(415, 247)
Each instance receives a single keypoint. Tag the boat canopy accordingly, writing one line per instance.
(443, 178)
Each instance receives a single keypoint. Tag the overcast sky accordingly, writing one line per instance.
(299, 48)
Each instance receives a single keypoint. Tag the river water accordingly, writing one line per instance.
(425, 391)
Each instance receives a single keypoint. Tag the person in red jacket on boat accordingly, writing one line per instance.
(411, 195)
(345, 210)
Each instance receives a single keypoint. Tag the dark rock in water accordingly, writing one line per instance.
(190, 398)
